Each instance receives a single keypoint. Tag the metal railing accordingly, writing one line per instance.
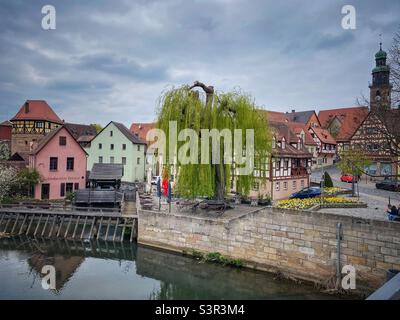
(57, 207)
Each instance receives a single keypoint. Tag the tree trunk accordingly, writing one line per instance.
(220, 173)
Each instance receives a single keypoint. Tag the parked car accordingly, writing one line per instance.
(389, 185)
(154, 180)
(348, 178)
(310, 192)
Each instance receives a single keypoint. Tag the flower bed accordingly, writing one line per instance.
(333, 191)
(303, 204)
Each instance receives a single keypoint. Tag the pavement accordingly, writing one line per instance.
(376, 199)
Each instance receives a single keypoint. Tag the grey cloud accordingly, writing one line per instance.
(116, 57)
(122, 66)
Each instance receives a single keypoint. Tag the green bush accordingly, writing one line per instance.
(219, 258)
(328, 181)
(70, 196)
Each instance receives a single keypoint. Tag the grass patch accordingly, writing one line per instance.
(215, 257)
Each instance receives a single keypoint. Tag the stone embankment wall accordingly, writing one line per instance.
(302, 244)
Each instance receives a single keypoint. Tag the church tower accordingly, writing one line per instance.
(380, 89)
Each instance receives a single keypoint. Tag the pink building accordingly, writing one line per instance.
(61, 162)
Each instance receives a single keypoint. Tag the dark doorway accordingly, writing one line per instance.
(45, 191)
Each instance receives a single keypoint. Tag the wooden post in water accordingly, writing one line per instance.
(108, 228)
(84, 226)
(45, 225)
(123, 230)
(15, 224)
(100, 225)
(59, 229)
(116, 228)
(23, 224)
(68, 226)
(8, 222)
(52, 226)
(30, 224)
(76, 227)
(37, 226)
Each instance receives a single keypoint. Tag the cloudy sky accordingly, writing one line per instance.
(111, 60)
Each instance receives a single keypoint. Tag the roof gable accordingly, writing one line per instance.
(52, 134)
(125, 132)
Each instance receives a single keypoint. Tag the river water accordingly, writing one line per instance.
(106, 270)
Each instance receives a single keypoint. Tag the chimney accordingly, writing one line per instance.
(26, 106)
(293, 111)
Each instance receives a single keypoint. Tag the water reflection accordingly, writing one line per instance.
(106, 270)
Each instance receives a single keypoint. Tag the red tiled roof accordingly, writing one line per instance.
(141, 129)
(274, 115)
(37, 110)
(351, 118)
(324, 135)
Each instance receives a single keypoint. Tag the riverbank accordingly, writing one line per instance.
(299, 244)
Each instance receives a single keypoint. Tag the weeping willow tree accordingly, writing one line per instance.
(233, 110)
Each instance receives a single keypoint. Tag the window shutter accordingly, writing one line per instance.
(62, 191)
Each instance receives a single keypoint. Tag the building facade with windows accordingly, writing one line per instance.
(61, 163)
(116, 144)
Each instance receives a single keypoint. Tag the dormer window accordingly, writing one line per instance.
(273, 142)
(283, 143)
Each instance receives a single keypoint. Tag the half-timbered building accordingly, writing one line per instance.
(32, 122)
(288, 168)
(326, 147)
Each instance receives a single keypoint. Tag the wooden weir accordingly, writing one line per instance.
(74, 223)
